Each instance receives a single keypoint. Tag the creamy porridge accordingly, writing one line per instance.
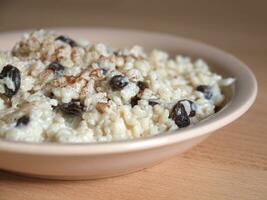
(56, 89)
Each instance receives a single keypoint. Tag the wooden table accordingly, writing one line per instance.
(231, 164)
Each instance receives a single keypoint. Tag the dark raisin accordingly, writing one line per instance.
(13, 73)
(51, 95)
(104, 71)
(76, 100)
(152, 103)
(72, 108)
(142, 85)
(182, 121)
(67, 40)
(24, 120)
(116, 53)
(206, 90)
(179, 116)
(56, 67)
(118, 82)
(181, 112)
(190, 107)
(134, 100)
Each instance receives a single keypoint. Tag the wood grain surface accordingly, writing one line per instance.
(231, 164)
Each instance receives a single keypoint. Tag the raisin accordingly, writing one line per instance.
(51, 95)
(182, 121)
(190, 107)
(104, 71)
(142, 85)
(13, 73)
(67, 40)
(56, 67)
(24, 120)
(116, 53)
(118, 82)
(134, 100)
(180, 115)
(206, 90)
(72, 108)
(152, 103)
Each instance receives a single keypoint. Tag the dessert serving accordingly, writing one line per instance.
(54, 88)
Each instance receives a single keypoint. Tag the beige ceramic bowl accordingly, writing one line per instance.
(90, 161)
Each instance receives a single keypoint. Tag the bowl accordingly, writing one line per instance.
(98, 160)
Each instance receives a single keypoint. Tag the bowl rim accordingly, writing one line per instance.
(230, 113)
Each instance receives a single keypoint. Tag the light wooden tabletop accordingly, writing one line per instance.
(231, 164)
